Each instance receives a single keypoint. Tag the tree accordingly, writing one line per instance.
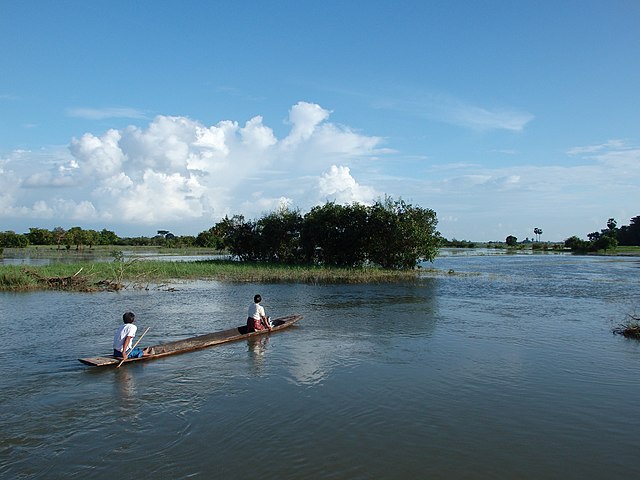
(11, 239)
(630, 234)
(576, 244)
(59, 235)
(401, 234)
(107, 237)
(537, 231)
(605, 243)
(209, 239)
(511, 241)
(75, 236)
(392, 234)
(91, 238)
(39, 236)
(239, 237)
(593, 236)
(186, 241)
(279, 234)
(226, 228)
(334, 234)
(607, 238)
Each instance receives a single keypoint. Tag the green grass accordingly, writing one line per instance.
(115, 275)
(55, 251)
(623, 251)
(90, 276)
(634, 250)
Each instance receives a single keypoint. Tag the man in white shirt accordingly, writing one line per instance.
(123, 339)
(256, 317)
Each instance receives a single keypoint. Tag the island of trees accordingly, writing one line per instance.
(607, 238)
(391, 234)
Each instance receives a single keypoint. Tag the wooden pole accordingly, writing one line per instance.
(134, 345)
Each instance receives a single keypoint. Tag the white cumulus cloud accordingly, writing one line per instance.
(338, 185)
(179, 171)
(99, 156)
(304, 118)
(161, 197)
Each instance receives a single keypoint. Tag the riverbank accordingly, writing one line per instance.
(108, 268)
(93, 276)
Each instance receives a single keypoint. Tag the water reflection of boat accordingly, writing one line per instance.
(257, 347)
(195, 343)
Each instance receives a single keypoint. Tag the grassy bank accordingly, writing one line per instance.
(624, 251)
(117, 275)
(114, 275)
(57, 251)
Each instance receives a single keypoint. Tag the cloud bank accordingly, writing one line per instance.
(176, 170)
(179, 174)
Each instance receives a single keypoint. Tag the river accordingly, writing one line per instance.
(504, 368)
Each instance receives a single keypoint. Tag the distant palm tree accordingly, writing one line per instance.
(537, 231)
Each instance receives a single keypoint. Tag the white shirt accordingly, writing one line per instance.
(255, 311)
(125, 330)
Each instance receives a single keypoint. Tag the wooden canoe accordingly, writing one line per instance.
(194, 343)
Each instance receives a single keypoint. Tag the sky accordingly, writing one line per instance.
(500, 116)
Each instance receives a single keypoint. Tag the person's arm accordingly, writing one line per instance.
(263, 316)
(125, 346)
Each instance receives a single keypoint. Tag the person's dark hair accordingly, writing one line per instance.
(128, 317)
(257, 299)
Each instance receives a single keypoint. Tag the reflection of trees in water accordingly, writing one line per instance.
(355, 323)
(396, 309)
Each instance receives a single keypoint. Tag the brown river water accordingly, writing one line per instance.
(506, 369)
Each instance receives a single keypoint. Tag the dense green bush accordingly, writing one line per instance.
(391, 234)
(11, 239)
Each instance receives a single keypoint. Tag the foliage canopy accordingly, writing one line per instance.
(607, 238)
(390, 233)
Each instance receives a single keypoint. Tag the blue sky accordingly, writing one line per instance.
(138, 116)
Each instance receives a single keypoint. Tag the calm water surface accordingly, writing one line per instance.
(505, 369)
(50, 256)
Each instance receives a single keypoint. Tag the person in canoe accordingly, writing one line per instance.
(256, 317)
(123, 339)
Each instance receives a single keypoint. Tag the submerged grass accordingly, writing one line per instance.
(630, 328)
(92, 276)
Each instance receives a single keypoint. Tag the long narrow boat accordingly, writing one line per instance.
(194, 343)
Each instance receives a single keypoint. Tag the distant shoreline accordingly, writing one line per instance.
(96, 276)
(110, 270)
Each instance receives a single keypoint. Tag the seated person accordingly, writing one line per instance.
(123, 339)
(256, 317)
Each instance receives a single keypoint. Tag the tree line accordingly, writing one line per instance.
(607, 238)
(390, 233)
(81, 238)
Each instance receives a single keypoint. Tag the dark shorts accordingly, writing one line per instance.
(135, 353)
(254, 325)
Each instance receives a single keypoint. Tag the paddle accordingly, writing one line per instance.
(134, 345)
